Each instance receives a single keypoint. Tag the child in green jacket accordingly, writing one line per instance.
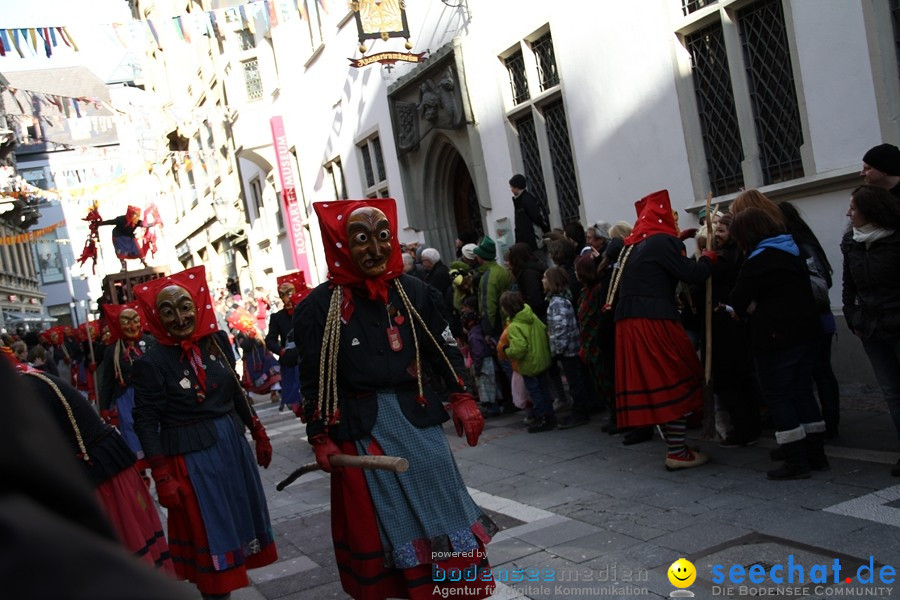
(529, 351)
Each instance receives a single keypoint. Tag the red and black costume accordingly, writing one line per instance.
(110, 466)
(116, 400)
(386, 527)
(190, 414)
(658, 374)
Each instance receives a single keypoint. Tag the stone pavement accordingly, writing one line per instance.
(584, 516)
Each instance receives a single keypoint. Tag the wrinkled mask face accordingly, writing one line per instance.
(285, 291)
(177, 311)
(104, 335)
(130, 323)
(369, 235)
(54, 338)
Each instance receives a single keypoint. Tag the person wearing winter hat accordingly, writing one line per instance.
(881, 168)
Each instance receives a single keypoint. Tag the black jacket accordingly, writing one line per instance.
(366, 363)
(439, 277)
(108, 452)
(871, 293)
(110, 388)
(651, 273)
(279, 336)
(785, 315)
(528, 214)
(168, 418)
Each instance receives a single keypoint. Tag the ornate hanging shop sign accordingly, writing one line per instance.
(382, 19)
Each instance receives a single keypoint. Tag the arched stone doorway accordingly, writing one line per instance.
(450, 198)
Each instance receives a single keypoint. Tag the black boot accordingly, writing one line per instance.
(815, 451)
(796, 465)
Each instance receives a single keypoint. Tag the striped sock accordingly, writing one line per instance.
(675, 433)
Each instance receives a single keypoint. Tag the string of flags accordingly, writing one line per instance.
(34, 41)
(22, 238)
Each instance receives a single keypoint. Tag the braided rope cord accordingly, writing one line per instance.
(614, 286)
(327, 405)
(69, 413)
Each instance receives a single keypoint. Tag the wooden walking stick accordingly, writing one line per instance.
(384, 463)
(709, 400)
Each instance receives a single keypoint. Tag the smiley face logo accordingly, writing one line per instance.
(682, 573)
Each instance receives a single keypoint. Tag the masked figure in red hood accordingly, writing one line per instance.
(280, 341)
(190, 413)
(368, 334)
(658, 375)
(123, 236)
(127, 343)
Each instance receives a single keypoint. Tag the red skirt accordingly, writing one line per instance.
(133, 515)
(361, 558)
(658, 374)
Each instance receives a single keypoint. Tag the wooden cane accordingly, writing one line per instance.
(709, 401)
(383, 463)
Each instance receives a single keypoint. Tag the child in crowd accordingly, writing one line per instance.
(526, 346)
(482, 363)
(562, 328)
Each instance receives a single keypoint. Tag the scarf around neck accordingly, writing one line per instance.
(869, 233)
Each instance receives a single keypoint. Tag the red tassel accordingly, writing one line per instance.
(606, 308)
(421, 400)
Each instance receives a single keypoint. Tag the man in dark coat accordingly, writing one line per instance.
(437, 274)
(531, 220)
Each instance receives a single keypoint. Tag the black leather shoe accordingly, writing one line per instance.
(638, 435)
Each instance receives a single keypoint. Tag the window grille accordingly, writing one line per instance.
(247, 40)
(379, 159)
(546, 61)
(715, 105)
(515, 65)
(531, 158)
(689, 6)
(561, 159)
(772, 93)
(252, 79)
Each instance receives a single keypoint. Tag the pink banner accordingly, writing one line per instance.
(293, 211)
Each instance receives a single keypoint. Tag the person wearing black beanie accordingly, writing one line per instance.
(881, 168)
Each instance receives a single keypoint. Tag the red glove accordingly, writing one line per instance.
(106, 416)
(711, 256)
(167, 488)
(686, 234)
(466, 417)
(92, 367)
(325, 448)
(263, 445)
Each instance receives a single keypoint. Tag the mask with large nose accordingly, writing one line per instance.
(369, 236)
(177, 311)
(130, 323)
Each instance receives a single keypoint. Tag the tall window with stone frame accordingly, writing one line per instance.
(252, 79)
(538, 116)
(373, 168)
(335, 173)
(764, 116)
